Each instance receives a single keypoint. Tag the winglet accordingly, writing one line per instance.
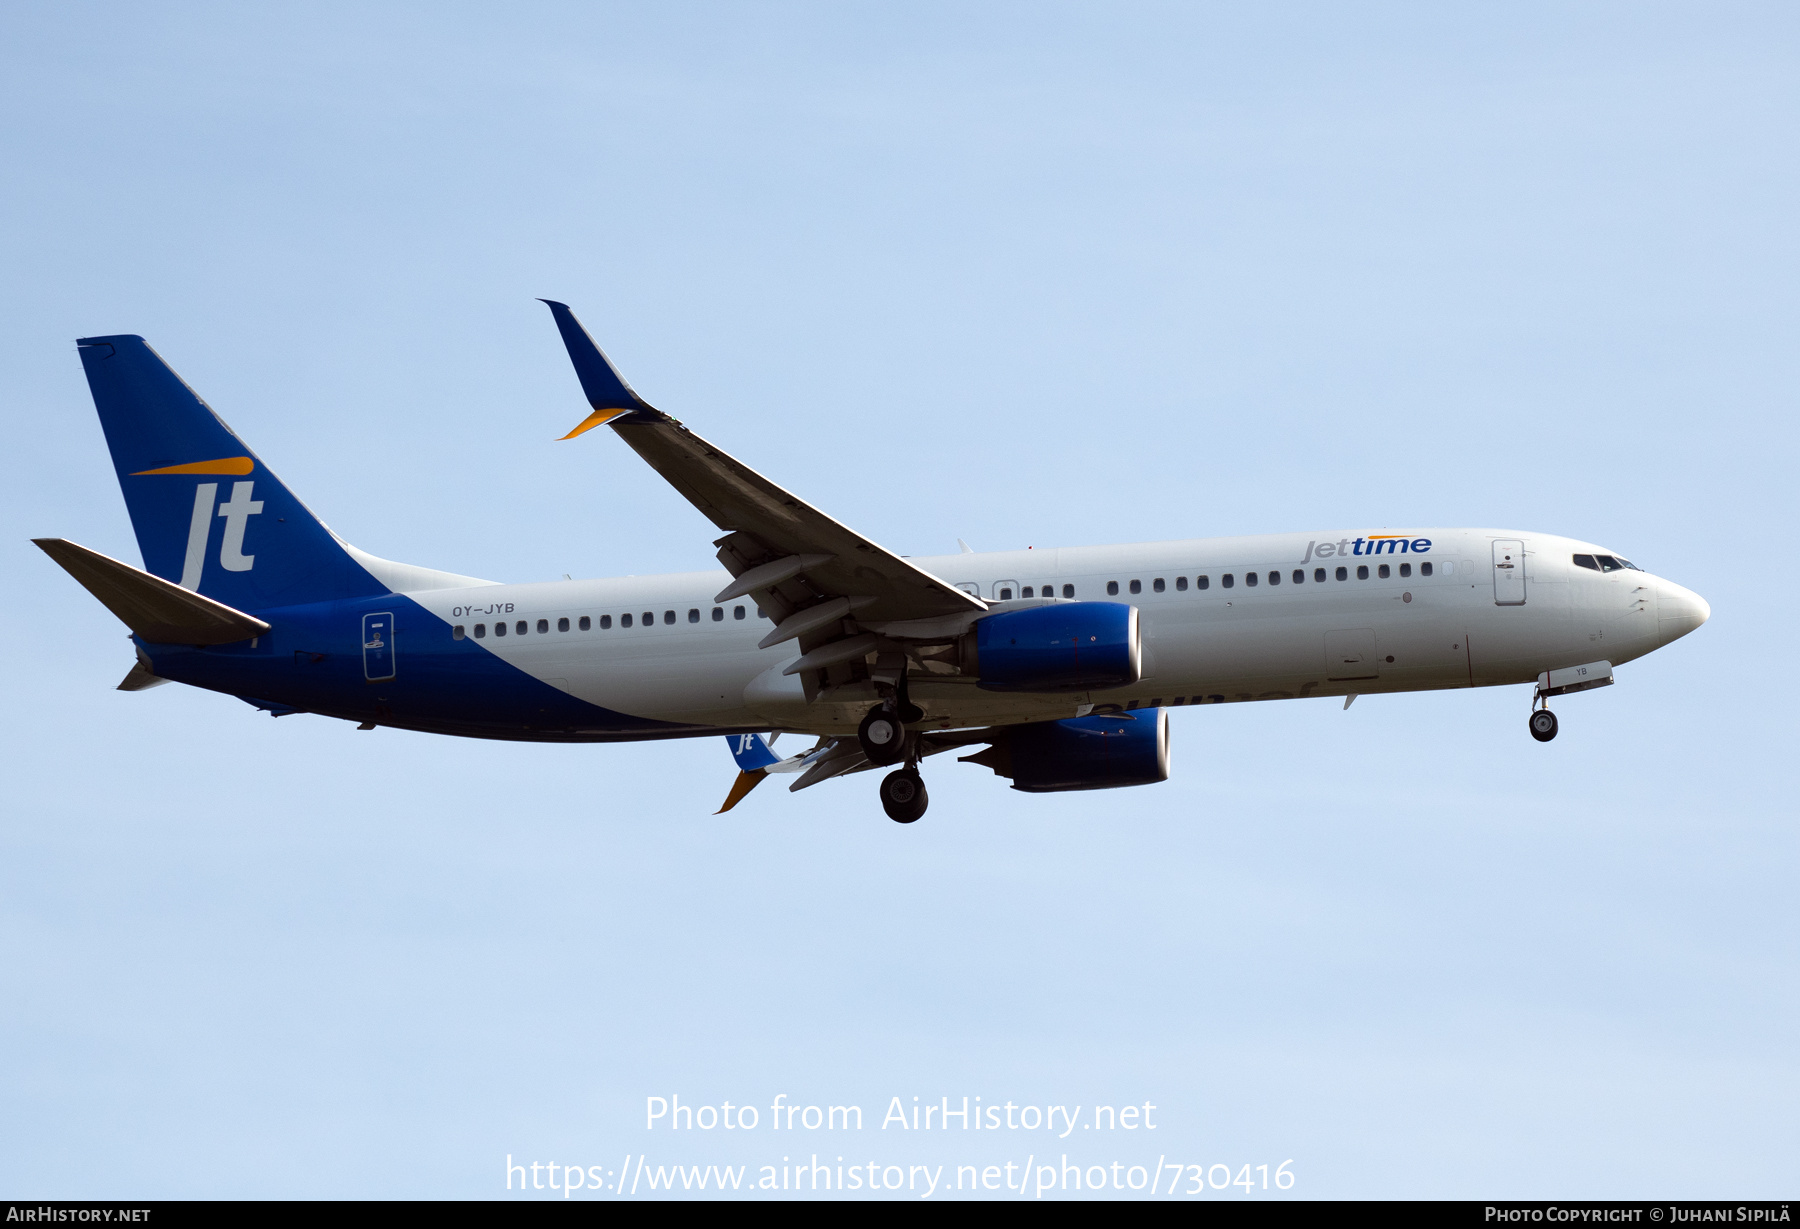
(751, 751)
(605, 390)
(746, 781)
(754, 756)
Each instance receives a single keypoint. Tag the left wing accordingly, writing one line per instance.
(819, 580)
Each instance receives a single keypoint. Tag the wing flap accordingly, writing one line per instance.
(738, 499)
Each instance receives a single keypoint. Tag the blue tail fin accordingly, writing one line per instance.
(208, 514)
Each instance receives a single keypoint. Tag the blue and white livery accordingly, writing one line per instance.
(1054, 668)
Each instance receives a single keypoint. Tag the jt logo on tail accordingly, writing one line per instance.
(237, 510)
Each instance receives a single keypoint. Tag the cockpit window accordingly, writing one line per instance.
(1626, 563)
(1586, 561)
(1609, 564)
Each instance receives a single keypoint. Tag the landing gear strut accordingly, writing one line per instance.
(1543, 725)
(903, 795)
(885, 741)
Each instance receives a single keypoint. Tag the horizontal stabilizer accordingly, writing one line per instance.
(160, 611)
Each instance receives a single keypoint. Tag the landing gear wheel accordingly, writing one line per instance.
(903, 795)
(1543, 725)
(882, 736)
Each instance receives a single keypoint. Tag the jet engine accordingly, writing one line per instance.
(1068, 646)
(1047, 757)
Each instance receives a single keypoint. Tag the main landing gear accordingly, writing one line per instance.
(883, 732)
(882, 736)
(884, 741)
(903, 795)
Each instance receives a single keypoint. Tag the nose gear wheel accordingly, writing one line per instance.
(1543, 725)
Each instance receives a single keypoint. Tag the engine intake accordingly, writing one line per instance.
(1069, 646)
(1047, 757)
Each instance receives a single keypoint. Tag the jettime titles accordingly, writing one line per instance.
(1374, 544)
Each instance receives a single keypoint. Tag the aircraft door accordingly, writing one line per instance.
(1509, 573)
(378, 647)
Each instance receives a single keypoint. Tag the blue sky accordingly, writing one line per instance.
(1024, 274)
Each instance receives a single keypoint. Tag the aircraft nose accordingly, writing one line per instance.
(1680, 610)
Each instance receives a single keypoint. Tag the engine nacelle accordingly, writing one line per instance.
(1069, 646)
(1047, 757)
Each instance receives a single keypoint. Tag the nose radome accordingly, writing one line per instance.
(1681, 611)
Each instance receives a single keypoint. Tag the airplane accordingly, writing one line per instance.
(1056, 668)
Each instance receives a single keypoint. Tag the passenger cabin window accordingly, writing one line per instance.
(1274, 578)
(1299, 576)
(1424, 569)
(1157, 584)
(668, 616)
(718, 614)
(1249, 579)
(1181, 584)
(1319, 576)
(1025, 592)
(544, 626)
(481, 631)
(1227, 580)
(456, 633)
(586, 624)
(649, 618)
(1112, 588)
(693, 615)
(1137, 586)
(1362, 571)
(521, 627)
(624, 620)
(562, 625)
(1068, 590)
(737, 612)
(1343, 573)
(1406, 569)
(1005, 593)
(1202, 582)
(499, 629)
(605, 623)
(1382, 572)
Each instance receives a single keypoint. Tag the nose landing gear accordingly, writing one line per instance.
(1543, 725)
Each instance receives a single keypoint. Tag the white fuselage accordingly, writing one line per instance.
(1228, 641)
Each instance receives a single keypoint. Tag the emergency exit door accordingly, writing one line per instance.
(1509, 573)
(378, 647)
